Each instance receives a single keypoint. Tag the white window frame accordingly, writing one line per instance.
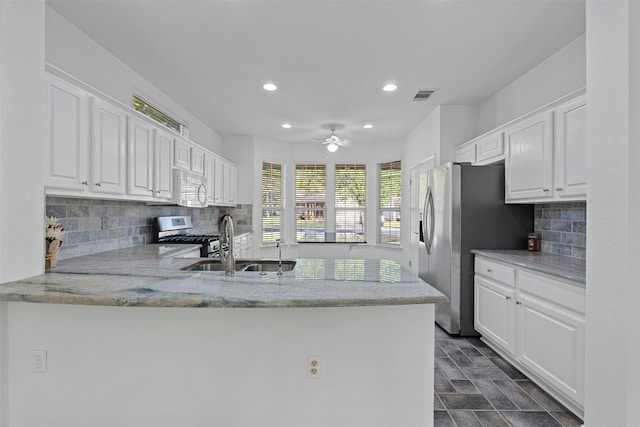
(280, 209)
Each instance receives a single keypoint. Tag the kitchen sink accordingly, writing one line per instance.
(241, 265)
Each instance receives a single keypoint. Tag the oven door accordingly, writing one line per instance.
(190, 189)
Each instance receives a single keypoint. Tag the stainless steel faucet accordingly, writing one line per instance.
(228, 258)
(279, 257)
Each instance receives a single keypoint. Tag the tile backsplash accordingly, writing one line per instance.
(562, 228)
(93, 225)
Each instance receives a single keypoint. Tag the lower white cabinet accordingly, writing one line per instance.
(537, 324)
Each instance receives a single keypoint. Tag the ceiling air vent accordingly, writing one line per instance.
(423, 95)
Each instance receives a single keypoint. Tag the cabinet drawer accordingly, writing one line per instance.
(496, 271)
(565, 294)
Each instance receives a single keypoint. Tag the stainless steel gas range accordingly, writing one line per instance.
(177, 229)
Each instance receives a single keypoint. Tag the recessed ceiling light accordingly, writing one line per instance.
(286, 125)
(390, 87)
(368, 126)
(269, 86)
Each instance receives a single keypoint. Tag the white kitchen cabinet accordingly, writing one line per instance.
(219, 181)
(570, 149)
(538, 325)
(230, 184)
(494, 312)
(529, 158)
(243, 246)
(197, 160)
(108, 148)
(490, 148)
(150, 160)
(210, 175)
(86, 142)
(67, 142)
(466, 154)
(182, 154)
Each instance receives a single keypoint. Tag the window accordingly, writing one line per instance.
(389, 196)
(311, 184)
(272, 202)
(350, 198)
(149, 110)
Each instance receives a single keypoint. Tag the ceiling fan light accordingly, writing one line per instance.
(332, 147)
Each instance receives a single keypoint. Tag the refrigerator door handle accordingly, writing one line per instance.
(428, 223)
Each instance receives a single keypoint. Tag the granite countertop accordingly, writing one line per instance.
(556, 265)
(149, 276)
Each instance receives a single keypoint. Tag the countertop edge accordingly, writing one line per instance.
(563, 267)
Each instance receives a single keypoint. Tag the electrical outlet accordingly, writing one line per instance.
(39, 361)
(314, 367)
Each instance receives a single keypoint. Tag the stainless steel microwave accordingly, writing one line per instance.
(190, 189)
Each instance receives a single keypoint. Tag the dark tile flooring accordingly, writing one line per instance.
(474, 386)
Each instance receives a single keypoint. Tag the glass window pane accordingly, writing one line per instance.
(350, 202)
(390, 198)
(272, 202)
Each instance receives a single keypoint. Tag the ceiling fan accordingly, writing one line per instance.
(333, 141)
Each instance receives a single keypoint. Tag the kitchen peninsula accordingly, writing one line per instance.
(131, 339)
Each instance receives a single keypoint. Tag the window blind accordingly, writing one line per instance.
(272, 202)
(390, 198)
(311, 186)
(350, 201)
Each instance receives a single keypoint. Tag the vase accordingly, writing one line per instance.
(51, 255)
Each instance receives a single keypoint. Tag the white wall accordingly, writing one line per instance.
(423, 141)
(144, 367)
(72, 51)
(22, 103)
(613, 128)
(556, 76)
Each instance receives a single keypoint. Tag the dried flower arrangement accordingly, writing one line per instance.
(54, 235)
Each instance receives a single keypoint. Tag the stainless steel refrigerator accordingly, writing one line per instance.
(463, 209)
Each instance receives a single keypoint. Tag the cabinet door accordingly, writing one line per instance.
(233, 186)
(490, 148)
(529, 159)
(494, 312)
(182, 154)
(163, 178)
(141, 157)
(466, 154)
(219, 181)
(108, 146)
(67, 139)
(197, 160)
(570, 147)
(226, 182)
(552, 344)
(210, 175)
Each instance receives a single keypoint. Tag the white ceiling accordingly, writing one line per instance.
(328, 58)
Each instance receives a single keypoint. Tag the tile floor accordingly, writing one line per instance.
(474, 386)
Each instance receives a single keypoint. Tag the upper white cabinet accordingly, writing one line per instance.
(466, 153)
(67, 142)
(529, 158)
(223, 181)
(210, 175)
(150, 160)
(78, 160)
(182, 154)
(490, 148)
(108, 148)
(197, 160)
(570, 145)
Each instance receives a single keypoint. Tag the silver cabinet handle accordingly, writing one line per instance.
(507, 297)
(489, 270)
(546, 190)
(518, 302)
(98, 184)
(84, 183)
(558, 189)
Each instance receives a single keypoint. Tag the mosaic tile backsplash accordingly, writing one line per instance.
(94, 226)
(562, 228)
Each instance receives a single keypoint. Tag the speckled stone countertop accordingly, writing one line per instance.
(557, 265)
(147, 276)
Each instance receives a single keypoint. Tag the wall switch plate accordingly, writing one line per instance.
(39, 361)
(314, 367)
